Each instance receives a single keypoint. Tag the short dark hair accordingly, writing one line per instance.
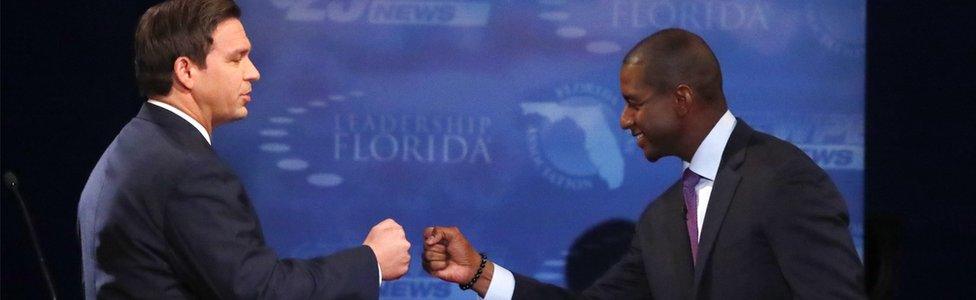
(172, 29)
(674, 56)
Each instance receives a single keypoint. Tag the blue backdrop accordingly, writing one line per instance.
(501, 117)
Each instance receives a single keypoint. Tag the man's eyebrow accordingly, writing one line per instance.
(241, 51)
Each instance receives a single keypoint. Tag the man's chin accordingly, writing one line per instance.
(241, 114)
(652, 156)
(237, 116)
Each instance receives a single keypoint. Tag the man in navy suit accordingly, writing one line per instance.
(752, 217)
(163, 217)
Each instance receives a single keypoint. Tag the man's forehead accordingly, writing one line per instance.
(634, 68)
(230, 34)
(634, 58)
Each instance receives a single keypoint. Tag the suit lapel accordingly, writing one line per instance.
(676, 233)
(726, 182)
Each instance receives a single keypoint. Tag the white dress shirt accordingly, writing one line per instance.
(704, 163)
(706, 159)
(206, 136)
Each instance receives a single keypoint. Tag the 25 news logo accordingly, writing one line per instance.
(833, 141)
(387, 12)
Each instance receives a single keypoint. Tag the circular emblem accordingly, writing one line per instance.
(571, 140)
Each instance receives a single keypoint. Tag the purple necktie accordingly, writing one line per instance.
(688, 182)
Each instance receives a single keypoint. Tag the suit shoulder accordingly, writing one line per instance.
(777, 156)
(145, 153)
(149, 144)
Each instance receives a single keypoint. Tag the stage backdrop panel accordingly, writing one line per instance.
(501, 117)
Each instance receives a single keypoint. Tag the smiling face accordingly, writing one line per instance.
(651, 116)
(224, 86)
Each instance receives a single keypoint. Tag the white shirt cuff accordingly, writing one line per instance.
(380, 270)
(502, 284)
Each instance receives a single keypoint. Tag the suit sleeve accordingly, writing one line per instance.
(625, 280)
(809, 234)
(215, 234)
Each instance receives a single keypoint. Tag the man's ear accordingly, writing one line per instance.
(683, 98)
(185, 72)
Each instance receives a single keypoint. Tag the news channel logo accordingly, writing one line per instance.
(387, 12)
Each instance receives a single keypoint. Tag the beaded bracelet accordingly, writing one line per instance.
(484, 260)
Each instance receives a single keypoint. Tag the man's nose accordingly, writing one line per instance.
(625, 119)
(252, 71)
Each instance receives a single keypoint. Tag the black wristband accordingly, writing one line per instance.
(484, 261)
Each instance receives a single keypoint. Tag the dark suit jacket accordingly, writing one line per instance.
(775, 228)
(162, 217)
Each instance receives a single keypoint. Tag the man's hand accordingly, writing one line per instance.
(390, 245)
(449, 256)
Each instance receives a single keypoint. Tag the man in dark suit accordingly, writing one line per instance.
(163, 217)
(752, 217)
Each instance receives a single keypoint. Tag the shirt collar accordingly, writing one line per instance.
(709, 154)
(178, 112)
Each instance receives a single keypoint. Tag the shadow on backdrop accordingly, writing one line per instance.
(594, 252)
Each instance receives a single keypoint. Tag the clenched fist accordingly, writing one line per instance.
(449, 256)
(390, 245)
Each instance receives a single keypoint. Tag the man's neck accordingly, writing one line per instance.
(698, 129)
(187, 105)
